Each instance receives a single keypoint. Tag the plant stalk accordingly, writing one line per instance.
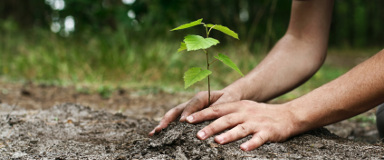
(209, 83)
(207, 57)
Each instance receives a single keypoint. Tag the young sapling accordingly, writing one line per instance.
(197, 42)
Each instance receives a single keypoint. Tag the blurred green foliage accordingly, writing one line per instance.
(129, 41)
(356, 23)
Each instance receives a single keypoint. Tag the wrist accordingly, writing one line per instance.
(243, 89)
(232, 93)
(299, 118)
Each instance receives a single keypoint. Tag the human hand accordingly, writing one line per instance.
(198, 102)
(267, 123)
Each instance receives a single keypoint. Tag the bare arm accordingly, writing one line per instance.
(355, 92)
(295, 58)
(358, 90)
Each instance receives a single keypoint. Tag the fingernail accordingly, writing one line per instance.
(182, 118)
(201, 134)
(220, 139)
(190, 118)
(244, 147)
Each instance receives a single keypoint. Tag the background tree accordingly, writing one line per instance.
(356, 23)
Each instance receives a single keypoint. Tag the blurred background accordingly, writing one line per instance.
(128, 42)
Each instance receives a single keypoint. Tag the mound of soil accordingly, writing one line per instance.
(149, 103)
(70, 131)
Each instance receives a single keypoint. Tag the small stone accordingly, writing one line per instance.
(33, 141)
(318, 146)
(18, 154)
(213, 145)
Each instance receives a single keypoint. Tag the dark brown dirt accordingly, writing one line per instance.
(116, 128)
(135, 103)
(70, 131)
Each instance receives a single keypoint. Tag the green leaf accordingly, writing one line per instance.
(224, 29)
(194, 75)
(196, 42)
(182, 47)
(188, 25)
(225, 59)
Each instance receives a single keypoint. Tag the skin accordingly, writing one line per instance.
(292, 61)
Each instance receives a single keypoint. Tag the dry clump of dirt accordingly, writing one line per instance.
(70, 131)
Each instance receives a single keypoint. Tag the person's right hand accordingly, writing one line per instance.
(197, 103)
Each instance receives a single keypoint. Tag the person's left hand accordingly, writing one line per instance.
(267, 123)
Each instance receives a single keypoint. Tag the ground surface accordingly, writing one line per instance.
(70, 131)
(116, 128)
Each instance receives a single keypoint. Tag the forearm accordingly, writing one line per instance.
(283, 69)
(357, 91)
(295, 58)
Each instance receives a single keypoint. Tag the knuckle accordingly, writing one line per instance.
(260, 138)
(243, 128)
(210, 129)
(215, 109)
(228, 120)
(241, 132)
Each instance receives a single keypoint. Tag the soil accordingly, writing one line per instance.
(36, 123)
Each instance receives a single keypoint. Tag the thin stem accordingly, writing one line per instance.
(209, 83)
(206, 29)
(213, 61)
(207, 57)
(210, 30)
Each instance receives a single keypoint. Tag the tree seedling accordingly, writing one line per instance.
(197, 42)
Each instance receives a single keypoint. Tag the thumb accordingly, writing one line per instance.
(224, 98)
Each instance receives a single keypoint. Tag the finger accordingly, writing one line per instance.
(170, 116)
(198, 102)
(212, 112)
(182, 113)
(240, 131)
(256, 141)
(219, 125)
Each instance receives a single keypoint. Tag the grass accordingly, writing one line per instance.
(113, 59)
(116, 59)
